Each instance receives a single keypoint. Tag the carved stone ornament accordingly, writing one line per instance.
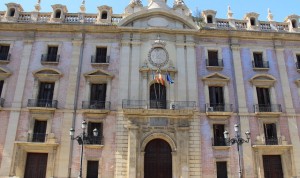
(158, 56)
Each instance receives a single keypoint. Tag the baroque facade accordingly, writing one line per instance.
(159, 85)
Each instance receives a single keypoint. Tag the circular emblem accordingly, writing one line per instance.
(158, 57)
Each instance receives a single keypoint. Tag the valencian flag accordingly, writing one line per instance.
(169, 79)
(158, 78)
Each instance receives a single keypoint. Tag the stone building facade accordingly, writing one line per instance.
(159, 85)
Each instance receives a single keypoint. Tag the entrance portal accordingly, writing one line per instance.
(158, 159)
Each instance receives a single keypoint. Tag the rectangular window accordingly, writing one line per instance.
(45, 95)
(92, 169)
(221, 169)
(219, 139)
(263, 98)
(1, 86)
(270, 134)
(213, 58)
(52, 53)
(95, 139)
(272, 166)
(298, 61)
(101, 53)
(4, 49)
(39, 131)
(258, 60)
(98, 96)
(216, 98)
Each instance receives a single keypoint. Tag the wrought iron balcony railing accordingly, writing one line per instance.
(271, 141)
(4, 57)
(96, 105)
(260, 64)
(42, 103)
(94, 140)
(37, 137)
(2, 102)
(100, 59)
(218, 107)
(214, 63)
(267, 108)
(219, 141)
(158, 104)
(50, 58)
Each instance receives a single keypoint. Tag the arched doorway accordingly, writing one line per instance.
(158, 159)
(158, 96)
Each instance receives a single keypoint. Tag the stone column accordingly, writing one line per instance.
(73, 74)
(124, 71)
(192, 88)
(7, 154)
(181, 75)
(239, 78)
(108, 91)
(144, 85)
(293, 128)
(134, 70)
(288, 102)
(132, 151)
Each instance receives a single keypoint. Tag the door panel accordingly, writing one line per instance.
(272, 166)
(36, 165)
(158, 160)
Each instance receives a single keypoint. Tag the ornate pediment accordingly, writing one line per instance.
(4, 73)
(216, 79)
(98, 76)
(263, 80)
(47, 74)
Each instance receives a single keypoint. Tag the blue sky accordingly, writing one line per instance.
(279, 8)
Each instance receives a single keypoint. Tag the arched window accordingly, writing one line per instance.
(209, 19)
(252, 21)
(104, 15)
(158, 96)
(12, 12)
(294, 23)
(57, 13)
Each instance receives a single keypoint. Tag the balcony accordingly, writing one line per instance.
(219, 143)
(218, 110)
(100, 107)
(2, 102)
(94, 142)
(37, 137)
(267, 109)
(158, 107)
(271, 141)
(260, 65)
(4, 58)
(50, 59)
(38, 104)
(214, 64)
(100, 60)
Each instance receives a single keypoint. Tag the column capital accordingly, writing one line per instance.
(235, 47)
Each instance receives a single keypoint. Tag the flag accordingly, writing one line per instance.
(169, 79)
(159, 79)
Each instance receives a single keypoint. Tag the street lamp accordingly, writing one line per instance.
(80, 139)
(239, 141)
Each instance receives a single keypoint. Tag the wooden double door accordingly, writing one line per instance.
(272, 166)
(158, 159)
(36, 165)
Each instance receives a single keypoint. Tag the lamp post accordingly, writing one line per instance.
(238, 140)
(80, 139)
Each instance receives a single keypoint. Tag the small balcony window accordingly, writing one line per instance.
(57, 14)
(104, 15)
(51, 56)
(219, 139)
(4, 53)
(258, 61)
(11, 12)
(39, 131)
(213, 60)
(270, 134)
(252, 21)
(101, 56)
(209, 19)
(91, 139)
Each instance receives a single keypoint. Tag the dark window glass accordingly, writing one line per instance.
(98, 92)
(158, 96)
(209, 19)
(219, 139)
(92, 169)
(298, 61)
(52, 53)
(101, 53)
(221, 169)
(1, 86)
(263, 96)
(270, 134)
(39, 131)
(216, 95)
(252, 21)
(12, 12)
(45, 94)
(294, 23)
(213, 58)
(258, 60)
(57, 14)
(4, 50)
(104, 15)
(92, 126)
